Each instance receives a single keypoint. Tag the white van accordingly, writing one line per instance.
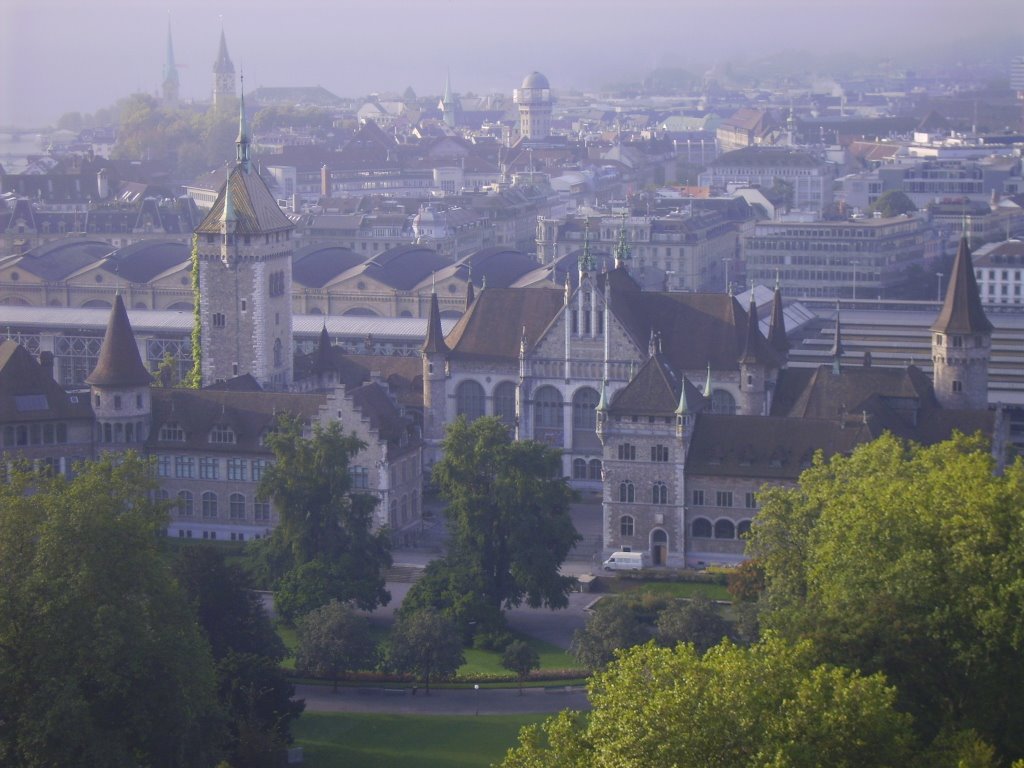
(626, 561)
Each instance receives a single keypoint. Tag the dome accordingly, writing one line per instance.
(535, 80)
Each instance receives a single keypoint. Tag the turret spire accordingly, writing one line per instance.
(707, 384)
(586, 261)
(962, 312)
(242, 142)
(434, 343)
(777, 324)
(622, 251)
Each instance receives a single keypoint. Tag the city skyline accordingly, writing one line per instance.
(117, 46)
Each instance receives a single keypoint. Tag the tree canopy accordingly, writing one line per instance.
(767, 705)
(892, 203)
(507, 515)
(426, 644)
(325, 546)
(333, 639)
(101, 660)
(908, 561)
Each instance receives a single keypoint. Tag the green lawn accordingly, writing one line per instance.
(675, 589)
(489, 662)
(407, 741)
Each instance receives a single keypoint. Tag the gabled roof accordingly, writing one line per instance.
(384, 416)
(119, 364)
(821, 394)
(654, 390)
(492, 328)
(962, 312)
(27, 392)
(256, 210)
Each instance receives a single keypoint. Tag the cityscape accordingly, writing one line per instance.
(562, 379)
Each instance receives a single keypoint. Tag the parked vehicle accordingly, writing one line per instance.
(626, 561)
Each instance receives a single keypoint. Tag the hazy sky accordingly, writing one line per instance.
(63, 55)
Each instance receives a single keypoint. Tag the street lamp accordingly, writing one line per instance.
(938, 295)
(476, 697)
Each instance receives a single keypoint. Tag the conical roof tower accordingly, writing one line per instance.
(119, 364)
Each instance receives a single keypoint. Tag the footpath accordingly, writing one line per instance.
(443, 701)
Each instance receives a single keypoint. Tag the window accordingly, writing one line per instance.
(724, 529)
(627, 452)
(594, 469)
(547, 408)
(236, 469)
(278, 353)
(722, 402)
(208, 468)
(626, 525)
(117, 402)
(219, 320)
(505, 402)
(659, 493)
(185, 508)
(276, 286)
(659, 453)
(209, 505)
(723, 498)
(222, 434)
(627, 491)
(172, 432)
(360, 478)
(958, 386)
(584, 409)
(261, 510)
(698, 498)
(469, 400)
(579, 469)
(701, 528)
(743, 529)
(750, 500)
(184, 466)
(258, 465)
(237, 506)
(163, 466)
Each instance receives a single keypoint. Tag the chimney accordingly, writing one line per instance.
(46, 363)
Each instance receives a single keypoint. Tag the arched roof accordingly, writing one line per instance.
(316, 265)
(403, 267)
(142, 261)
(56, 260)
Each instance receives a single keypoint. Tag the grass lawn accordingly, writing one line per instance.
(489, 662)
(407, 741)
(674, 589)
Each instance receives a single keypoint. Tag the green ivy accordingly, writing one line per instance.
(195, 376)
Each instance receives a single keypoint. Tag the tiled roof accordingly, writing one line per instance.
(653, 391)
(256, 210)
(962, 311)
(28, 393)
(821, 394)
(119, 364)
(492, 328)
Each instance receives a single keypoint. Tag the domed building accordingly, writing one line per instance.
(534, 100)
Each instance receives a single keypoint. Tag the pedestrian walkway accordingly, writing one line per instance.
(443, 701)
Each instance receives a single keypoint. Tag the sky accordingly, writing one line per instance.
(59, 56)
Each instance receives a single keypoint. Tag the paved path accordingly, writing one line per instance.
(442, 701)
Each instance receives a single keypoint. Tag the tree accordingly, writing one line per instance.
(425, 644)
(101, 660)
(324, 546)
(521, 658)
(768, 705)
(614, 625)
(451, 587)
(892, 203)
(508, 513)
(695, 621)
(909, 561)
(333, 640)
(251, 687)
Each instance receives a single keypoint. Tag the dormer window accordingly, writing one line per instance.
(222, 434)
(172, 432)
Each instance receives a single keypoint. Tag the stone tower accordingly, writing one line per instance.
(170, 85)
(245, 247)
(435, 385)
(962, 340)
(119, 385)
(755, 362)
(223, 76)
(534, 100)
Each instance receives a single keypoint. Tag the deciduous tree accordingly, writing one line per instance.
(694, 621)
(333, 640)
(426, 644)
(614, 625)
(521, 658)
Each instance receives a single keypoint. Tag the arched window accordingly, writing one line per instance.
(627, 491)
(278, 353)
(584, 409)
(185, 507)
(659, 493)
(722, 402)
(743, 529)
(626, 525)
(505, 402)
(209, 505)
(469, 400)
(594, 469)
(724, 529)
(579, 469)
(237, 503)
(701, 528)
(547, 408)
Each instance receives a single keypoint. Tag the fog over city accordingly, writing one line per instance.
(64, 55)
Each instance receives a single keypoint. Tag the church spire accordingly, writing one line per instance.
(171, 82)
